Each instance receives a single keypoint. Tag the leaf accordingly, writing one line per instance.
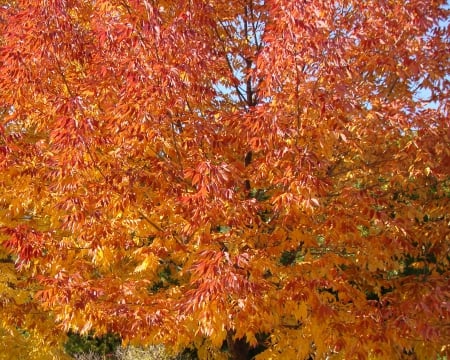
(150, 262)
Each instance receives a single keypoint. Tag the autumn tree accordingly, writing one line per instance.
(26, 331)
(246, 177)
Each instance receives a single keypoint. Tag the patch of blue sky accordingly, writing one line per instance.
(422, 90)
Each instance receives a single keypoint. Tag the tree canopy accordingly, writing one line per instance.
(262, 178)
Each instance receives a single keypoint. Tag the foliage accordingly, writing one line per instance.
(26, 332)
(20, 344)
(103, 346)
(229, 176)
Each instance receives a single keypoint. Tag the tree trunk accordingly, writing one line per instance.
(238, 348)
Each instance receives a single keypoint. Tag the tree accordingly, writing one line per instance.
(26, 332)
(240, 177)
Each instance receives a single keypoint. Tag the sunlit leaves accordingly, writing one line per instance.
(262, 173)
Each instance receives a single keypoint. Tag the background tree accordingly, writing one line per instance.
(260, 176)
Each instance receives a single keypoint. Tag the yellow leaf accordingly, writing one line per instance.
(149, 263)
